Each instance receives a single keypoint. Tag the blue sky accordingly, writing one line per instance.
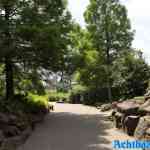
(139, 14)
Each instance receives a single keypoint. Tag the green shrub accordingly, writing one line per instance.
(26, 104)
(77, 94)
(37, 103)
(58, 96)
(90, 96)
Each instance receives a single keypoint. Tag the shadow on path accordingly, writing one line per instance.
(70, 131)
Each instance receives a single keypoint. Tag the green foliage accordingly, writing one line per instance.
(79, 44)
(25, 104)
(32, 82)
(108, 62)
(110, 32)
(79, 88)
(93, 73)
(131, 74)
(130, 78)
(38, 99)
(90, 96)
(108, 25)
(58, 96)
(33, 34)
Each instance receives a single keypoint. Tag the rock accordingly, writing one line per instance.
(12, 119)
(14, 142)
(1, 136)
(11, 143)
(36, 118)
(113, 113)
(130, 123)
(118, 119)
(147, 134)
(110, 116)
(106, 107)
(4, 119)
(98, 107)
(129, 107)
(10, 131)
(147, 95)
(26, 133)
(142, 127)
(114, 105)
(98, 104)
(145, 107)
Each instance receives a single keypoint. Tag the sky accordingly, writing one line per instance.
(139, 14)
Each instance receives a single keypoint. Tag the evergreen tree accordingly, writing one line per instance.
(32, 32)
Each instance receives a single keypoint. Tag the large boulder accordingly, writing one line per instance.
(142, 128)
(145, 108)
(114, 105)
(10, 131)
(117, 117)
(129, 107)
(147, 95)
(105, 107)
(130, 123)
(4, 118)
(147, 134)
(12, 143)
(1, 136)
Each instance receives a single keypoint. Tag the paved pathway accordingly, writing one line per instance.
(73, 127)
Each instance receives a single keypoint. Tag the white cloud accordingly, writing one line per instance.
(139, 13)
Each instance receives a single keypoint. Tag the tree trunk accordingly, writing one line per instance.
(9, 78)
(108, 75)
(8, 61)
(108, 59)
(109, 89)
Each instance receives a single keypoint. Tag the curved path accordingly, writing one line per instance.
(73, 127)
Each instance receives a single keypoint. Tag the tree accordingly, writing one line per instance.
(33, 33)
(110, 31)
(131, 74)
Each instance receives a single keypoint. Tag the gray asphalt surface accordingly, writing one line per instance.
(73, 127)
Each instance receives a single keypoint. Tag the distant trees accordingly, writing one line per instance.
(33, 34)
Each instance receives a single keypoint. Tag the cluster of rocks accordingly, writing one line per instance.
(133, 117)
(16, 128)
(103, 107)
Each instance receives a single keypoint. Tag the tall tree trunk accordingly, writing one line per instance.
(108, 77)
(108, 67)
(109, 89)
(108, 59)
(8, 61)
(9, 78)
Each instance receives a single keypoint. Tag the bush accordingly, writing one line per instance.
(92, 96)
(26, 104)
(77, 94)
(37, 103)
(58, 96)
